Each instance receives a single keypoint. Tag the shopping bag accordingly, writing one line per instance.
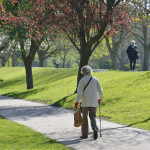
(78, 118)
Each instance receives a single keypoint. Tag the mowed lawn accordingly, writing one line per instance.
(126, 97)
(14, 136)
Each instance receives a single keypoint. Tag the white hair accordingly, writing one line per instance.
(132, 41)
(86, 70)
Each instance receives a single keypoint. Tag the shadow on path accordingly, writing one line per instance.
(62, 101)
(146, 120)
(28, 112)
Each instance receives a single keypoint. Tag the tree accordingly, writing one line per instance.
(46, 49)
(122, 30)
(26, 20)
(63, 55)
(113, 48)
(15, 52)
(142, 29)
(85, 23)
(3, 42)
(4, 51)
(63, 46)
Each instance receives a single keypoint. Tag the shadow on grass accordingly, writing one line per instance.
(1, 80)
(144, 121)
(146, 75)
(12, 82)
(23, 94)
(140, 78)
(50, 141)
(1, 117)
(61, 102)
(111, 101)
(40, 77)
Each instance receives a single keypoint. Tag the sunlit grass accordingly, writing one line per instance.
(18, 137)
(126, 97)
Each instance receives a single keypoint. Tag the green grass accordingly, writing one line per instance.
(18, 137)
(126, 97)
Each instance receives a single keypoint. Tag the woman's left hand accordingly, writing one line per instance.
(99, 100)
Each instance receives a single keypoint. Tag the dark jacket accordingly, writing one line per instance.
(132, 52)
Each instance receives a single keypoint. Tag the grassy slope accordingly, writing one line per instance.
(17, 137)
(126, 94)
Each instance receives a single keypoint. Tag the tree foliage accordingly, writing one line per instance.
(85, 22)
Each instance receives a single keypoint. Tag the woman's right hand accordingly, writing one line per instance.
(76, 104)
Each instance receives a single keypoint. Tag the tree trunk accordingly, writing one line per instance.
(63, 64)
(113, 50)
(121, 65)
(83, 61)
(146, 59)
(84, 58)
(41, 62)
(28, 61)
(146, 51)
(8, 61)
(3, 61)
(41, 56)
(13, 59)
(64, 60)
(114, 60)
(149, 62)
(29, 78)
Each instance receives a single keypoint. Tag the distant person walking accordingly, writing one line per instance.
(90, 97)
(132, 55)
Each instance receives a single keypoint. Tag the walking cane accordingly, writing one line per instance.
(100, 118)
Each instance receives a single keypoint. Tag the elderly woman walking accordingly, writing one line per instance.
(90, 92)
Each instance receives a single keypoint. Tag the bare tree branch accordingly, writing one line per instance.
(72, 41)
(52, 53)
(139, 38)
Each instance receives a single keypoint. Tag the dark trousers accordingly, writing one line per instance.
(92, 115)
(132, 64)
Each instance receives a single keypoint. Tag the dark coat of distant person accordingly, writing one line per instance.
(132, 52)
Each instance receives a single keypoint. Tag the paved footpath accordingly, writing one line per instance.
(57, 123)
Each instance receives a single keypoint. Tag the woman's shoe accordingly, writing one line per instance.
(83, 137)
(95, 134)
